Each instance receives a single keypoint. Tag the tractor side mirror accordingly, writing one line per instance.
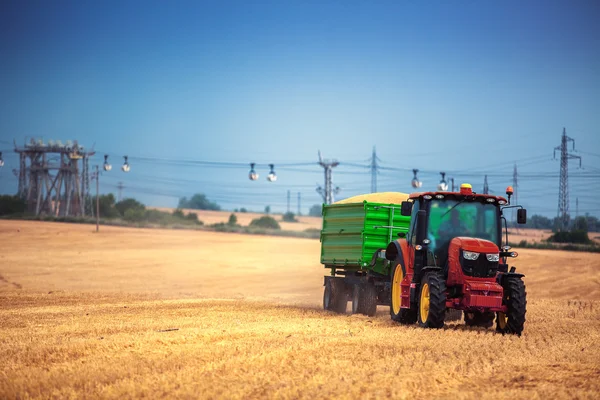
(406, 208)
(522, 216)
(421, 221)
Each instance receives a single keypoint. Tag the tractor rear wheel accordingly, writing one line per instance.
(432, 301)
(515, 299)
(334, 296)
(477, 318)
(398, 314)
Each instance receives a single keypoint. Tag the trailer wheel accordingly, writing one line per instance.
(476, 318)
(334, 296)
(356, 303)
(453, 314)
(432, 301)
(364, 299)
(515, 298)
(399, 314)
(368, 299)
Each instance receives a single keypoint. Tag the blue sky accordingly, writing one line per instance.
(467, 87)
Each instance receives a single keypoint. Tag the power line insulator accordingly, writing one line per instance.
(416, 183)
(126, 167)
(107, 166)
(252, 175)
(272, 177)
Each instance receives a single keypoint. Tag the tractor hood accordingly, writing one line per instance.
(474, 244)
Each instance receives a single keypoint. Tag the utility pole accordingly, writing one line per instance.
(563, 186)
(516, 194)
(576, 207)
(328, 191)
(486, 188)
(374, 167)
(97, 199)
(120, 187)
(288, 201)
(299, 208)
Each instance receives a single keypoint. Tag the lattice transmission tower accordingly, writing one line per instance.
(54, 178)
(328, 191)
(563, 185)
(374, 167)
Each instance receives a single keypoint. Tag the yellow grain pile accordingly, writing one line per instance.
(383, 197)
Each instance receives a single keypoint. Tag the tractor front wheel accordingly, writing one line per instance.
(515, 299)
(432, 301)
(334, 296)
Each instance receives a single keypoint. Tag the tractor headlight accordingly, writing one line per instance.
(470, 255)
(493, 257)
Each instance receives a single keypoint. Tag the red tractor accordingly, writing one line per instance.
(452, 258)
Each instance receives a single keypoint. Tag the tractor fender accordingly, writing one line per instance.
(393, 252)
(502, 277)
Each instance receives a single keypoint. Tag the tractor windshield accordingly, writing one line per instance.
(449, 218)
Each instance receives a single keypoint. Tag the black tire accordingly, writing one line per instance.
(404, 315)
(515, 298)
(334, 296)
(453, 314)
(482, 319)
(356, 304)
(432, 315)
(367, 299)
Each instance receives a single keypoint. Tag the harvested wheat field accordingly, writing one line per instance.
(194, 314)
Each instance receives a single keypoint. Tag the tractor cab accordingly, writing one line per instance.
(472, 221)
(437, 218)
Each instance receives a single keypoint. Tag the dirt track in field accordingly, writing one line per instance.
(88, 314)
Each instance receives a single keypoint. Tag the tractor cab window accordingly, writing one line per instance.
(449, 218)
(411, 237)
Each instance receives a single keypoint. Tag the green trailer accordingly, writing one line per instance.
(353, 241)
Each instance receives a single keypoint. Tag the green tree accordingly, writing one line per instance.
(289, 217)
(12, 205)
(134, 214)
(232, 220)
(315, 210)
(580, 224)
(265, 222)
(129, 204)
(593, 223)
(194, 218)
(268, 210)
(199, 201)
(539, 222)
(106, 203)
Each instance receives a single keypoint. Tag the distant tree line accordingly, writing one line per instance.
(541, 222)
(199, 201)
